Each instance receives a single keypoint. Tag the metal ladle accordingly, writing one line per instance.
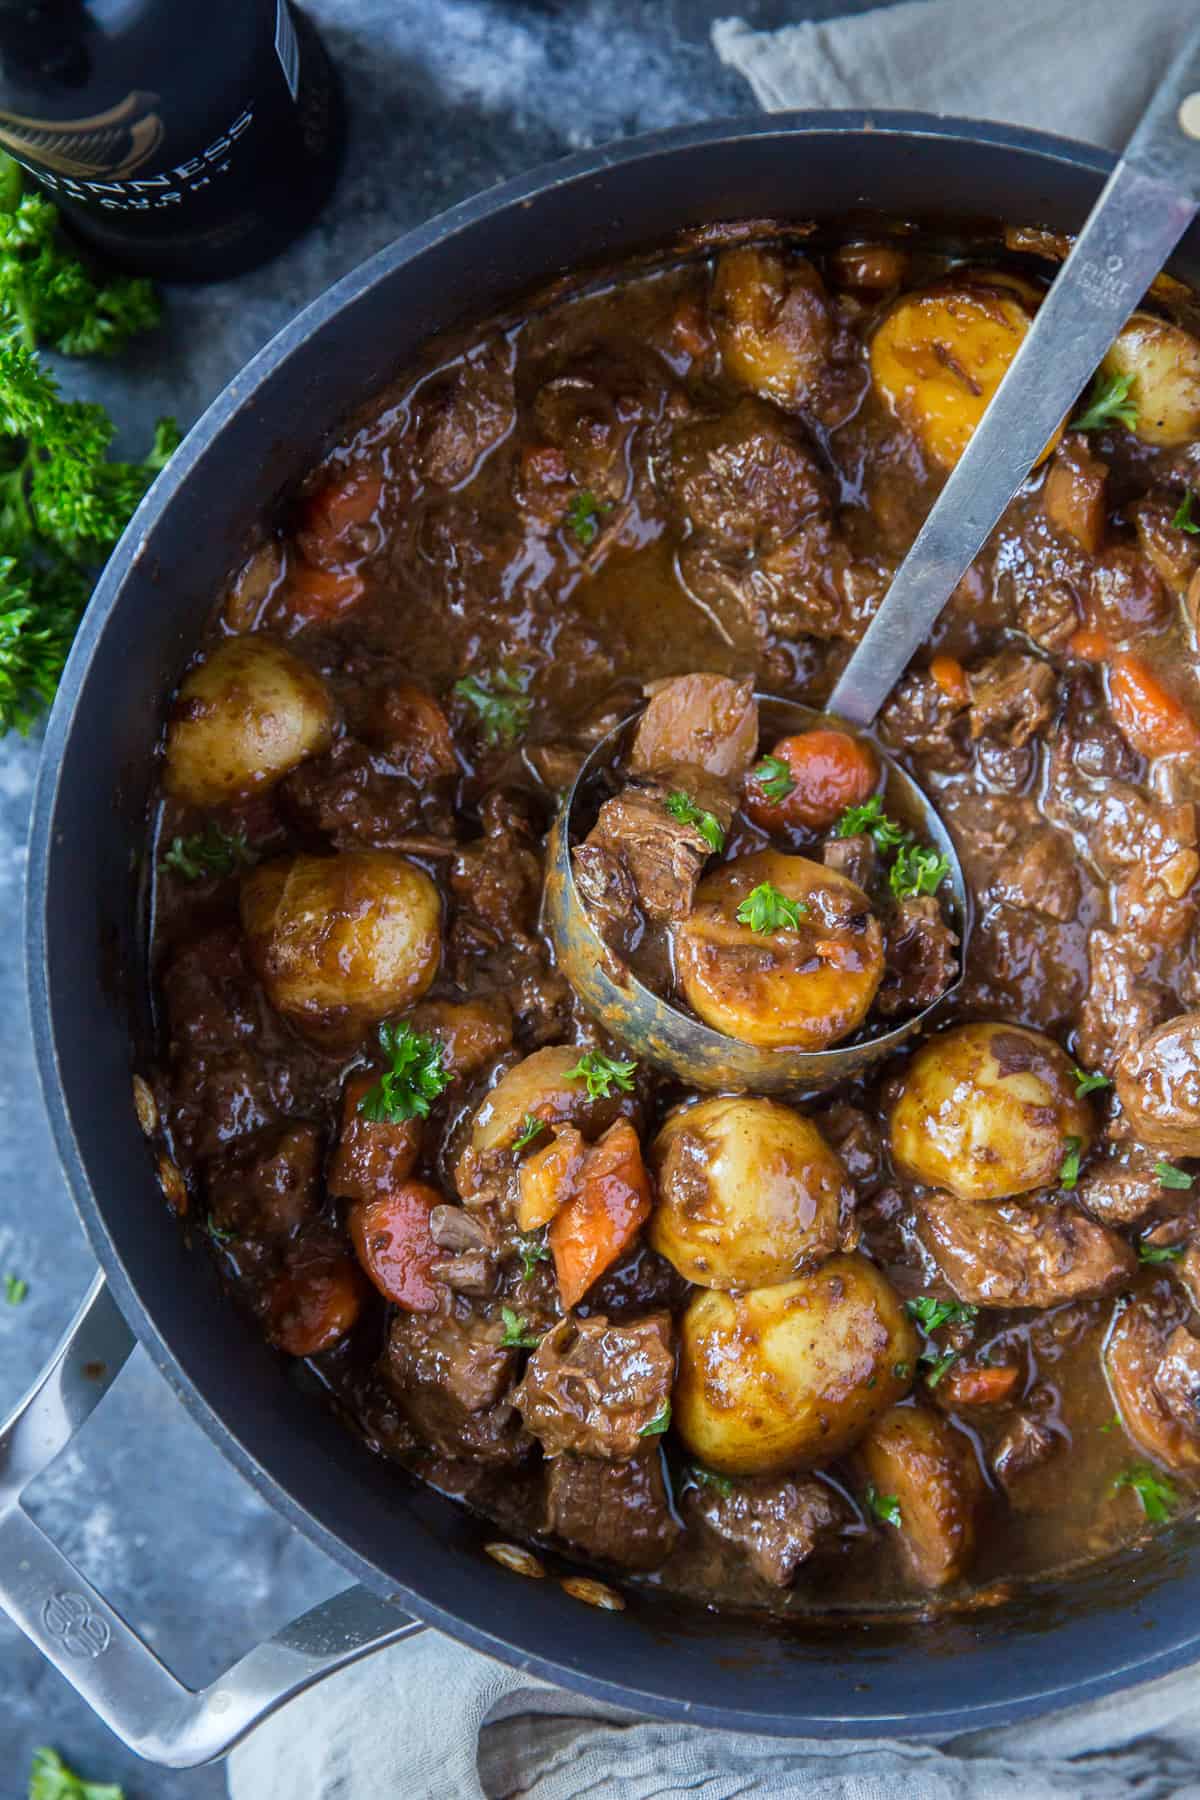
(1146, 206)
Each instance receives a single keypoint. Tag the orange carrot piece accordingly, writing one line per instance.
(985, 1384)
(1089, 645)
(830, 770)
(1154, 720)
(313, 1304)
(549, 1177)
(372, 1157)
(604, 1215)
(395, 1246)
(951, 677)
(313, 593)
(332, 509)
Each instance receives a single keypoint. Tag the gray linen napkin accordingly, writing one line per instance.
(431, 1720)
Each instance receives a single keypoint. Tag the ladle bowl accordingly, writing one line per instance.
(657, 1031)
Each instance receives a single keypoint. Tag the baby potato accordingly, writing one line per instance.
(803, 986)
(915, 1457)
(788, 1377)
(940, 354)
(541, 1087)
(985, 1111)
(1163, 362)
(339, 942)
(242, 718)
(749, 1193)
(771, 316)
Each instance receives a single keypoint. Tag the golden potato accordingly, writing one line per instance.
(242, 718)
(803, 986)
(771, 317)
(1163, 361)
(918, 1459)
(540, 1087)
(940, 354)
(789, 1377)
(985, 1111)
(341, 941)
(749, 1193)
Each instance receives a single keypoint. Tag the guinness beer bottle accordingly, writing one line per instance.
(185, 139)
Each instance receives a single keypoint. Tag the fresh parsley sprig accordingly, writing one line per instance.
(1106, 403)
(659, 1423)
(1171, 1177)
(775, 779)
(1183, 520)
(917, 870)
(1158, 1497)
(1068, 1173)
(583, 515)
(210, 852)
(531, 1128)
(870, 820)
(1089, 1084)
(600, 1072)
(931, 1314)
(681, 806)
(501, 703)
(416, 1076)
(518, 1335)
(533, 1250)
(765, 909)
(884, 1507)
(1159, 1253)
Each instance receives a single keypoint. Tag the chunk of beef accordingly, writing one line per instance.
(266, 1186)
(921, 719)
(641, 1281)
(465, 412)
(1021, 1253)
(1121, 1004)
(1025, 1444)
(1177, 1378)
(372, 1156)
(1138, 1351)
(590, 412)
(497, 880)
(1174, 554)
(607, 890)
(663, 854)
(1127, 598)
(1026, 967)
(1040, 578)
(406, 723)
(210, 995)
(217, 1097)
(854, 857)
(858, 1141)
(472, 1033)
(746, 479)
(1119, 1190)
(592, 1387)
(1087, 747)
(920, 957)
(1158, 1085)
(1075, 493)
(1152, 847)
(705, 722)
(453, 1381)
(1012, 697)
(347, 798)
(617, 1512)
(776, 1524)
(1044, 878)
(929, 1466)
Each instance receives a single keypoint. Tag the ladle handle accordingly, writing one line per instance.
(1147, 204)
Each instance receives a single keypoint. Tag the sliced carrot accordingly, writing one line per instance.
(1089, 645)
(549, 1178)
(984, 1384)
(604, 1215)
(395, 1246)
(348, 500)
(1154, 720)
(371, 1158)
(313, 1304)
(830, 771)
(951, 677)
(313, 593)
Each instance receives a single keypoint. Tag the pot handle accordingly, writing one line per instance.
(88, 1642)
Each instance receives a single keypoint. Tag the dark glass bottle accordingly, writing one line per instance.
(186, 139)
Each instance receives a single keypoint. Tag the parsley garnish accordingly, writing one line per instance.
(932, 1314)
(531, 1127)
(939, 1364)
(1183, 520)
(1068, 1174)
(774, 778)
(1159, 1253)
(1088, 1084)
(1112, 1423)
(517, 1335)
(1171, 1177)
(886, 1507)
(501, 702)
(707, 1478)
(50, 1778)
(659, 1423)
(902, 1370)
(765, 909)
(1159, 1499)
(600, 1071)
(15, 1289)
(220, 1234)
(917, 871)
(583, 516)
(417, 1076)
(1106, 403)
(211, 852)
(870, 818)
(682, 807)
(534, 1250)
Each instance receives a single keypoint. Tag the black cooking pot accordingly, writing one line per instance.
(1130, 1619)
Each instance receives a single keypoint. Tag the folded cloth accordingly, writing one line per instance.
(431, 1720)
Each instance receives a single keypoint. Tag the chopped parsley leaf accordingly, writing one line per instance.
(531, 1127)
(707, 1478)
(583, 516)
(1159, 1253)
(902, 1371)
(1107, 403)
(1183, 520)
(600, 1071)
(871, 820)
(885, 1507)
(765, 909)
(1068, 1174)
(774, 778)
(931, 1314)
(534, 1250)
(220, 1234)
(501, 701)
(939, 1364)
(659, 1423)
(1088, 1084)
(1171, 1177)
(681, 806)
(917, 870)
(418, 1074)
(517, 1334)
(1159, 1499)
(210, 852)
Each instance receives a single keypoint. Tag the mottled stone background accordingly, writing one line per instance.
(447, 97)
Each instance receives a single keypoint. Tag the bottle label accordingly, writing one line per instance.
(286, 47)
(169, 187)
(112, 143)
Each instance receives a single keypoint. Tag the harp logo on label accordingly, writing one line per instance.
(69, 1619)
